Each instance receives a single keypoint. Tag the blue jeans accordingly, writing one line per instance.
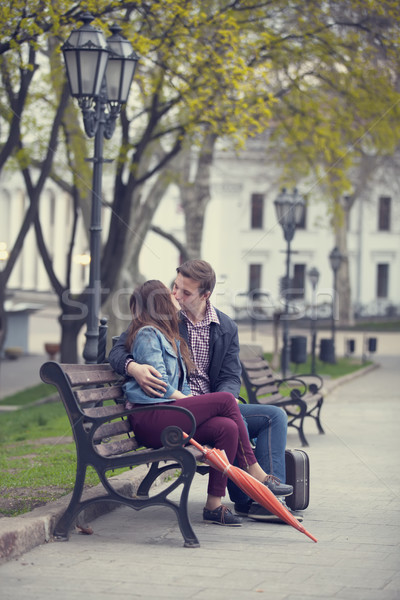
(267, 426)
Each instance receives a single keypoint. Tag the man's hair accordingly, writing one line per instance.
(200, 271)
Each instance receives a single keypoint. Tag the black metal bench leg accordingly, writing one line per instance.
(317, 418)
(185, 526)
(299, 428)
(61, 530)
(187, 474)
(302, 436)
(151, 476)
(318, 422)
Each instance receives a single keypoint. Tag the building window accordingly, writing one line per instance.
(384, 213)
(255, 272)
(382, 281)
(298, 282)
(257, 211)
(303, 222)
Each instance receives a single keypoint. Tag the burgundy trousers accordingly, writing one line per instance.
(219, 424)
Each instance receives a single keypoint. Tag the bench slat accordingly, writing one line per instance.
(112, 429)
(100, 394)
(95, 376)
(116, 448)
(104, 411)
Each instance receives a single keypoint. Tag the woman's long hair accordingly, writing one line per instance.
(151, 304)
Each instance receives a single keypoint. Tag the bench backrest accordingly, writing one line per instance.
(259, 380)
(89, 392)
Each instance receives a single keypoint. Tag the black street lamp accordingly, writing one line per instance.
(100, 72)
(290, 212)
(313, 275)
(335, 258)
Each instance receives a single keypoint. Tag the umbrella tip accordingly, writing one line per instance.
(314, 539)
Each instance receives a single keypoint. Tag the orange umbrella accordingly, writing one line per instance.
(251, 486)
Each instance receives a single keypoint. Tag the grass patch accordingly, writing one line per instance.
(32, 394)
(377, 326)
(37, 457)
(344, 366)
(34, 474)
(34, 422)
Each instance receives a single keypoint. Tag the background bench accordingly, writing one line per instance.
(300, 396)
(92, 396)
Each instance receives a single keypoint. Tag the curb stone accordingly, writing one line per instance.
(20, 534)
(332, 384)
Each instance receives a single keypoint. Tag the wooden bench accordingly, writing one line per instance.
(93, 399)
(303, 397)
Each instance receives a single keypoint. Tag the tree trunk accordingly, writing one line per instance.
(344, 305)
(195, 192)
(69, 341)
(72, 318)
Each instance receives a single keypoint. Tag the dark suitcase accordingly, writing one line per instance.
(298, 475)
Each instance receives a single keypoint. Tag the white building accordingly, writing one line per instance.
(242, 238)
(245, 243)
(29, 273)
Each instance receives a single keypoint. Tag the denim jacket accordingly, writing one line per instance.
(224, 370)
(151, 347)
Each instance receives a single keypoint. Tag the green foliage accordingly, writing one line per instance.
(342, 96)
(323, 73)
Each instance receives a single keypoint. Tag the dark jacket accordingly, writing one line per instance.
(224, 370)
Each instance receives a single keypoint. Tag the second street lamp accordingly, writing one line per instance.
(335, 259)
(290, 213)
(100, 73)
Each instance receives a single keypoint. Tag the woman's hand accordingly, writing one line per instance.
(177, 395)
(148, 378)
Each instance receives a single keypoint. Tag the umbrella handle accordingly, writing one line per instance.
(194, 443)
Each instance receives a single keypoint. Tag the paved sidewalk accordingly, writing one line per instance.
(354, 512)
(17, 375)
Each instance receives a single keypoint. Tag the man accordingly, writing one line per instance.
(213, 339)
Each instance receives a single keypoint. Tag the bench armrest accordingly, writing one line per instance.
(314, 382)
(292, 384)
(101, 420)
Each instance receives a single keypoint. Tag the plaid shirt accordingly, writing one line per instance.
(199, 343)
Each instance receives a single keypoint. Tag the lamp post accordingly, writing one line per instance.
(100, 73)
(335, 258)
(313, 275)
(289, 211)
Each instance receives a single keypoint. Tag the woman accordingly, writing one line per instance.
(153, 338)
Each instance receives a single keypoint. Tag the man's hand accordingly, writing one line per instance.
(148, 378)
